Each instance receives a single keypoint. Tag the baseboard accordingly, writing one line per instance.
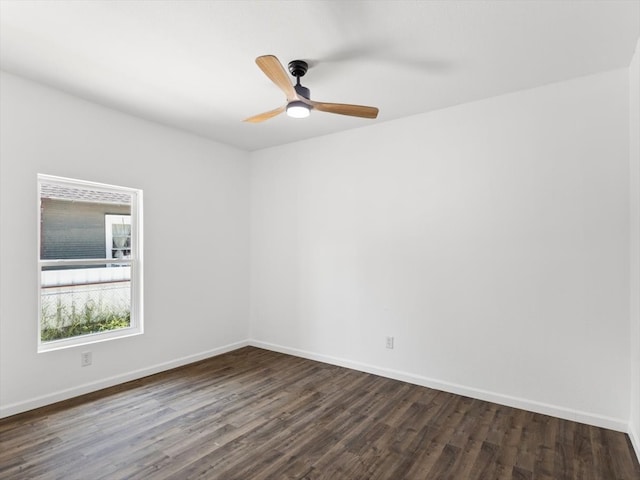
(20, 407)
(635, 440)
(533, 406)
(501, 399)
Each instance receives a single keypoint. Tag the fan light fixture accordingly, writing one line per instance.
(297, 109)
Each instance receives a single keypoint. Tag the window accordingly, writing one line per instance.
(118, 236)
(89, 262)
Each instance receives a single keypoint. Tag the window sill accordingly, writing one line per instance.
(89, 339)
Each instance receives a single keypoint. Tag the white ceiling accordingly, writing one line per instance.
(190, 63)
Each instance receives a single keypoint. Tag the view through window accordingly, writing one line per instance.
(89, 262)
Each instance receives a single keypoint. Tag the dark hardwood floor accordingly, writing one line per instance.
(255, 414)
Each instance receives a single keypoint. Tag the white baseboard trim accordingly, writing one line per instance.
(635, 440)
(530, 405)
(507, 400)
(20, 407)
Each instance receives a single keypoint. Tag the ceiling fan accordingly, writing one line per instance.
(299, 103)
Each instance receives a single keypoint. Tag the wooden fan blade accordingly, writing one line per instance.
(344, 109)
(266, 115)
(273, 69)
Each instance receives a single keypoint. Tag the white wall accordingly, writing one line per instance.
(634, 156)
(490, 239)
(196, 206)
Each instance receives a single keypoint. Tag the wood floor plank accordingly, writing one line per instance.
(252, 414)
(545, 439)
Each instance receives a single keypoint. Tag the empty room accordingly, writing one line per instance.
(338, 240)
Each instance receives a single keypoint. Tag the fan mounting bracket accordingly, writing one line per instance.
(298, 68)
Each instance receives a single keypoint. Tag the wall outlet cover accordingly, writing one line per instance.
(85, 359)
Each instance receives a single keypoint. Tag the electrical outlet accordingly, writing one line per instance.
(85, 359)
(390, 342)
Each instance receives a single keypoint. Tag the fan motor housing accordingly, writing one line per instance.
(298, 68)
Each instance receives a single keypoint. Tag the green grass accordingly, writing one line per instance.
(69, 321)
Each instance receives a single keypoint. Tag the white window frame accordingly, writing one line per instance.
(136, 263)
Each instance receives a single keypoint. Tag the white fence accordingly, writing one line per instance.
(85, 276)
(86, 294)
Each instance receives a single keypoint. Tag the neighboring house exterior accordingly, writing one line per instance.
(73, 229)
